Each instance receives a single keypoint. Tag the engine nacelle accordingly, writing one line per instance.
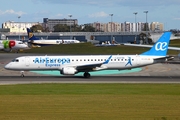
(7, 50)
(7, 45)
(68, 71)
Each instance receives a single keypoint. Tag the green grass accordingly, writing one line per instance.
(84, 48)
(175, 43)
(90, 102)
(88, 48)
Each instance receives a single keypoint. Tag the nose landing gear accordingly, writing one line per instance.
(22, 73)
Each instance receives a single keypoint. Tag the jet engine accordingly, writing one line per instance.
(7, 45)
(7, 50)
(68, 71)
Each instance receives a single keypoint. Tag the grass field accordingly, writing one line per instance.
(90, 102)
(88, 48)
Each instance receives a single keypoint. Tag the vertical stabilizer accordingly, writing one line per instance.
(160, 47)
(31, 35)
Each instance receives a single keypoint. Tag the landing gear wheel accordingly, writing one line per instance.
(17, 51)
(87, 75)
(22, 73)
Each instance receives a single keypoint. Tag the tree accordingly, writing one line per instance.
(88, 28)
(61, 28)
(36, 28)
(46, 29)
(146, 25)
(143, 38)
(76, 28)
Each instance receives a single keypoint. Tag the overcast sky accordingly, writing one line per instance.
(89, 11)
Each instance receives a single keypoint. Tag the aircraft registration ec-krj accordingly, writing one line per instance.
(72, 64)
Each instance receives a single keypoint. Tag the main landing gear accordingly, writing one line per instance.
(22, 73)
(87, 75)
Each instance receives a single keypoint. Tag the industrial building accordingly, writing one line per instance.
(50, 23)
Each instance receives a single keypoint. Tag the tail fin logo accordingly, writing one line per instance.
(30, 35)
(161, 46)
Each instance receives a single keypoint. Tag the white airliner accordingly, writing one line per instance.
(9, 45)
(142, 45)
(37, 42)
(70, 65)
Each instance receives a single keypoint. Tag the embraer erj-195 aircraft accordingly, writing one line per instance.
(9, 45)
(70, 65)
(37, 42)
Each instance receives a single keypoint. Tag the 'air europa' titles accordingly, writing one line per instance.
(50, 62)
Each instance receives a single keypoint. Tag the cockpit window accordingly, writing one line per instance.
(20, 43)
(15, 60)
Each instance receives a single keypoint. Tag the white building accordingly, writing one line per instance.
(18, 27)
(156, 26)
(106, 27)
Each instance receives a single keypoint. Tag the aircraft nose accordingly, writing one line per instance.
(7, 66)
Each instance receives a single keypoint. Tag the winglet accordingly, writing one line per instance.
(160, 48)
(107, 61)
(31, 35)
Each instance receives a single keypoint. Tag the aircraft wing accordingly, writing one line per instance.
(90, 67)
(140, 45)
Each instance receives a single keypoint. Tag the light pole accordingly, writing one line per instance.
(135, 21)
(19, 26)
(146, 25)
(111, 26)
(70, 21)
(111, 21)
(135, 13)
(70, 24)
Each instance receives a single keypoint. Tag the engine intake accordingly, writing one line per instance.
(68, 71)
